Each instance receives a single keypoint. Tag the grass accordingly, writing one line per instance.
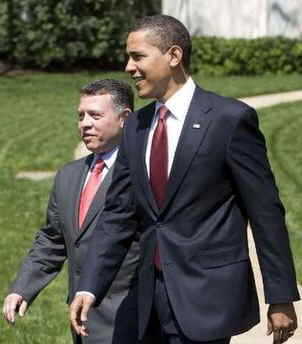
(38, 132)
(39, 112)
(282, 128)
(22, 207)
(244, 86)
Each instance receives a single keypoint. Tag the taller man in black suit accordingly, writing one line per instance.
(103, 107)
(191, 179)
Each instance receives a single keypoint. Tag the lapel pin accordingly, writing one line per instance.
(196, 126)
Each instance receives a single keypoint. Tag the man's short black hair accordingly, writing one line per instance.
(121, 93)
(167, 31)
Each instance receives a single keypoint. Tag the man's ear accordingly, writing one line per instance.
(175, 55)
(123, 115)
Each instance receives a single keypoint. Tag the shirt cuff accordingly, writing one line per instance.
(85, 293)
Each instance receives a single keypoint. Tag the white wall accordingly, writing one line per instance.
(238, 18)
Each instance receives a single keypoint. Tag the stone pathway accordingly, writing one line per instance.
(35, 175)
(258, 333)
(81, 151)
(273, 99)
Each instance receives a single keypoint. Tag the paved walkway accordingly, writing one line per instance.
(35, 175)
(273, 99)
(258, 333)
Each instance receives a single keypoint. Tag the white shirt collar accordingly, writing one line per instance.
(178, 104)
(108, 157)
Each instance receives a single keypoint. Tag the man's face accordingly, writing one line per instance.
(99, 123)
(148, 66)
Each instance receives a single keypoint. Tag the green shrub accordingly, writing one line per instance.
(220, 56)
(4, 24)
(62, 33)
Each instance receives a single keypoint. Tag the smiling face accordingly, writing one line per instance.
(100, 125)
(149, 67)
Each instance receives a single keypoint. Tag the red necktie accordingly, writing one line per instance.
(90, 189)
(159, 158)
(159, 166)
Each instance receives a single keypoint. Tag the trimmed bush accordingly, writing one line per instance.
(62, 33)
(57, 34)
(219, 56)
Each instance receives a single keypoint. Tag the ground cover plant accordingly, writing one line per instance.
(38, 132)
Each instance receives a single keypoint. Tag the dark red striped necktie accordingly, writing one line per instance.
(159, 158)
(159, 166)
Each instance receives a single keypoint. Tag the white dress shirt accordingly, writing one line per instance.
(178, 106)
(109, 160)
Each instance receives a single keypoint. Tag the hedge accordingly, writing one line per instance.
(219, 56)
(64, 33)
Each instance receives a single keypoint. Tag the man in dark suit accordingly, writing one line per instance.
(73, 213)
(191, 172)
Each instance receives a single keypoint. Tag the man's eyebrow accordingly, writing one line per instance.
(91, 111)
(132, 52)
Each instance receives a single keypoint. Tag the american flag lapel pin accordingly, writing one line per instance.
(196, 126)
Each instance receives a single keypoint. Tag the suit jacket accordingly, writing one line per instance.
(220, 179)
(61, 239)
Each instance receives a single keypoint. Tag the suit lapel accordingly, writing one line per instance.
(192, 135)
(145, 120)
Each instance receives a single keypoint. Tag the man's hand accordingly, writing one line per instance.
(14, 303)
(78, 313)
(282, 322)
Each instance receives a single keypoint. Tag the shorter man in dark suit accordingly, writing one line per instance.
(75, 204)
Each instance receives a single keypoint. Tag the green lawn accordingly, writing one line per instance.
(282, 128)
(38, 132)
(38, 122)
(22, 208)
(243, 86)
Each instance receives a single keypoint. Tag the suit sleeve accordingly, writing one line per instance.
(114, 232)
(45, 258)
(258, 194)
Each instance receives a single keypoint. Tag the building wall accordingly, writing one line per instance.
(238, 18)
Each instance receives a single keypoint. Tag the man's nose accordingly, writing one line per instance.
(87, 120)
(130, 66)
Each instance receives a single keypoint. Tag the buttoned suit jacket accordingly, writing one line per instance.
(61, 239)
(220, 179)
